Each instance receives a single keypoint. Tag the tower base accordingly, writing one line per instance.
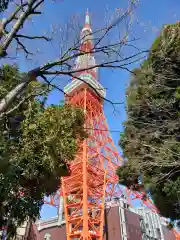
(121, 222)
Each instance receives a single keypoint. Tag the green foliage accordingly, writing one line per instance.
(151, 138)
(128, 175)
(35, 145)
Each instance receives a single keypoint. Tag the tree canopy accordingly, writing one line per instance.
(151, 138)
(36, 144)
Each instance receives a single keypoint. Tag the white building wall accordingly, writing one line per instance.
(152, 222)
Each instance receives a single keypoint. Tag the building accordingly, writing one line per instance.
(121, 223)
(27, 231)
(153, 226)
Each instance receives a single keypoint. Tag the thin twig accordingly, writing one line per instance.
(33, 37)
(23, 47)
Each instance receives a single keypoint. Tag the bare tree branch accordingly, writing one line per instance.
(23, 47)
(43, 70)
(37, 5)
(9, 98)
(20, 103)
(28, 9)
(33, 37)
(13, 15)
(53, 85)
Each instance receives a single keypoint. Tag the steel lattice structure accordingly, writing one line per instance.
(93, 179)
(93, 173)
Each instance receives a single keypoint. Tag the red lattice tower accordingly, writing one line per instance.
(93, 179)
(93, 172)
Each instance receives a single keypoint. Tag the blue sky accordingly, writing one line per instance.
(148, 19)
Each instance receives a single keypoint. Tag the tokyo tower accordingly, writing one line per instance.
(93, 172)
(92, 181)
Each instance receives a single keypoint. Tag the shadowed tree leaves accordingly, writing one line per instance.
(151, 136)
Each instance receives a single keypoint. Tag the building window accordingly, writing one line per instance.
(125, 205)
(47, 236)
(158, 233)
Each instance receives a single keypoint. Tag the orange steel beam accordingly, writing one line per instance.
(85, 230)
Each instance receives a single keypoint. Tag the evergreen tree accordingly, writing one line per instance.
(36, 144)
(151, 138)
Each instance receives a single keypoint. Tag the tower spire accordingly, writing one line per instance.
(87, 17)
(86, 60)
